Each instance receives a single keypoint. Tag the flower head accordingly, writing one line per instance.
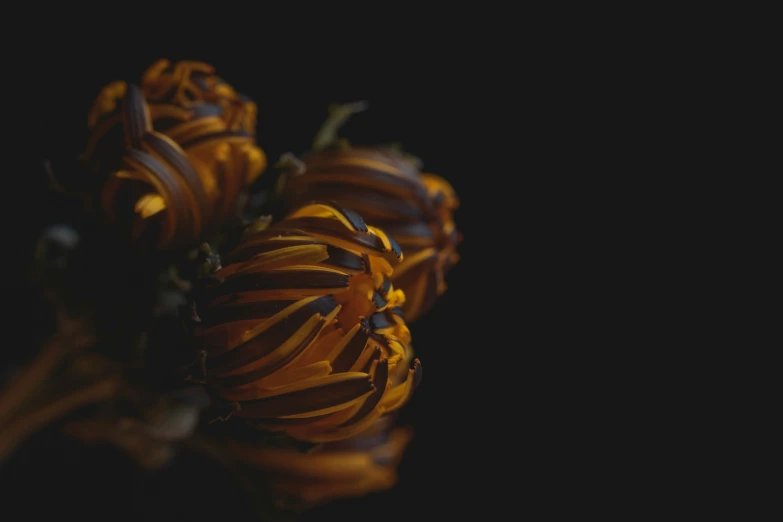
(388, 190)
(305, 332)
(152, 188)
(212, 124)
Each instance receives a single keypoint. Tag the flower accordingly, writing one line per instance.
(152, 188)
(388, 190)
(363, 464)
(305, 333)
(202, 114)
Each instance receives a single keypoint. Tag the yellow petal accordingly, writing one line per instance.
(400, 394)
(279, 353)
(312, 434)
(309, 398)
(149, 205)
(227, 336)
(328, 211)
(254, 390)
(337, 466)
(288, 375)
(387, 241)
(414, 260)
(281, 258)
(342, 343)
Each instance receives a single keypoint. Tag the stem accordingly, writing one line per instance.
(18, 430)
(33, 375)
(338, 115)
(181, 284)
(126, 434)
(53, 184)
(208, 447)
(70, 338)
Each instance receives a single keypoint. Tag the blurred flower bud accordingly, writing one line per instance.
(210, 126)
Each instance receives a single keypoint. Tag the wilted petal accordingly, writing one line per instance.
(400, 394)
(380, 378)
(310, 254)
(135, 117)
(313, 396)
(286, 376)
(170, 153)
(349, 218)
(263, 336)
(247, 366)
(349, 349)
(328, 429)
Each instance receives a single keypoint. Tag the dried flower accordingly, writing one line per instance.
(387, 189)
(153, 188)
(305, 331)
(353, 467)
(211, 123)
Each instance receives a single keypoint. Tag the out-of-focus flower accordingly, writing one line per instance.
(153, 189)
(212, 124)
(353, 467)
(387, 189)
(305, 333)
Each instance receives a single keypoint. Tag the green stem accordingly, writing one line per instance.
(338, 115)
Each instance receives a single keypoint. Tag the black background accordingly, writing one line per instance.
(551, 368)
(446, 97)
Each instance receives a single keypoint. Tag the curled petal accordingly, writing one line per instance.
(400, 394)
(347, 217)
(311, 397)
(380, 378)
(265, 328)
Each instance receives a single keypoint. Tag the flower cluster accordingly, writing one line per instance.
(258, 336)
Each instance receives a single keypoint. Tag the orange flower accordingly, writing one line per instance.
(152, 188)
(353, 467)
(305, 333)
(212, 124)
(390, 192)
